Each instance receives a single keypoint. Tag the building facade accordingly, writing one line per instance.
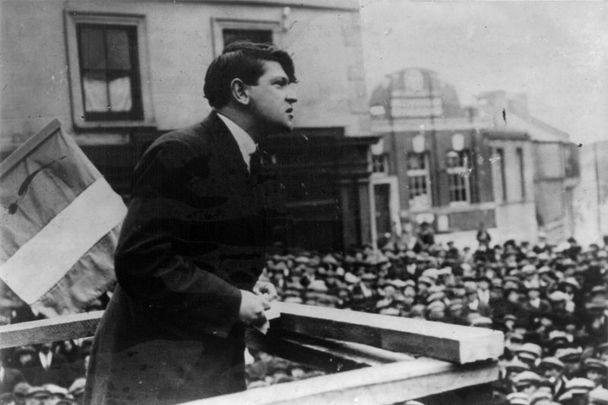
(555, 161)
(448, 165)
(117, 74)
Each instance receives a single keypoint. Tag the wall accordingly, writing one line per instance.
(591, 194)
(325, 44)
(549, 160)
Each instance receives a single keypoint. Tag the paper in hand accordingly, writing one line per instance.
(271, 313)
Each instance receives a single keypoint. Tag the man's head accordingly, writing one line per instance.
(253, 81)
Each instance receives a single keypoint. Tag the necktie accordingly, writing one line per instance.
(255, 162)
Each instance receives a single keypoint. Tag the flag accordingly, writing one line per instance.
(59, 225)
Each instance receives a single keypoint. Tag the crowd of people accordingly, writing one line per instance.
(550, 302)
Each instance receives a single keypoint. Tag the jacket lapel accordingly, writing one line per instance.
(224, 144)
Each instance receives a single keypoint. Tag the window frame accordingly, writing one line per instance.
(218, 25)
(460, 171)
(499, 155)
(519, 154)
(102, 120)
(380, 160)
(425, 173)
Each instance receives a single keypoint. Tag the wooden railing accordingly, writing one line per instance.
(409, 358)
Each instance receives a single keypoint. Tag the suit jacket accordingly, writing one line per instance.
(11, 378)
(57, 373)
(193, 236)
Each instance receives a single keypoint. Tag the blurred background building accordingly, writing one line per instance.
(464, 168)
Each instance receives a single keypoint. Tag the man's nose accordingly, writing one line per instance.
(291, 96)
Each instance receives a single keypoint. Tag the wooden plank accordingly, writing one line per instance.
(49, 330)
(455, 343)
(28, 147)
(443, 341)
(384, 384)
(326, 354)
(313, 356)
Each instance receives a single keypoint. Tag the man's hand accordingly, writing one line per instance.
(265, 288)
(252, 308)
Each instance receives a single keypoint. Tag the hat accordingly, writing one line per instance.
(602, 347)
(425, 280)
(436, 306)
(595, 364)
(558, 296)
(579, 385)
(369, 277)
(528, 270)
(410, 282)
(351, 278)
(569, 354)
(435, 297)
(526, 377)
(302, 260)
(318, 286)
(397, 283)
(38, 393)
(551, 362)
(530, 348)
(25, 350)
(293, 300)
(516, 365)
(557, 334)
(56, 390)
(570, 281)
(481, 322)
(540, 396)
(329, 259)
(21, 389)
(430, 272)
(390, 311)
(598, 396)
(77, 386)
(597, 303)
(518, 398)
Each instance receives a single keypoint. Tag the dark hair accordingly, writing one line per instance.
(243, 60)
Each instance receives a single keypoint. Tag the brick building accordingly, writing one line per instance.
(459, 167)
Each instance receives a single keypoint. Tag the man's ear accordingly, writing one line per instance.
(239, 91)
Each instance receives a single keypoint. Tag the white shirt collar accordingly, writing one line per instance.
(45, 359)
(246, 144)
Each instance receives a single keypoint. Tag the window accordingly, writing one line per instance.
(499, 174)
(226, 31)
(522, 174)
(418, 179)
(232, 35)
(458, 172)
(380, 163)
(109, 72)
(108, 66)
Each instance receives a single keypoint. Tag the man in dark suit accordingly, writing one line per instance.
(192, 245)
(9, 377)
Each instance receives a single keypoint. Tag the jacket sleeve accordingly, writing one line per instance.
(150, 261)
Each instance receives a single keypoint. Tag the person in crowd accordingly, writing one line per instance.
(483, 236)
(550, 302)
(9, 377)
(192, 245)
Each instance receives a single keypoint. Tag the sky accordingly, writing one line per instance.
(556, 52)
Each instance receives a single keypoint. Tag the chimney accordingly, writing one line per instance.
(518, 104)
(493, 105)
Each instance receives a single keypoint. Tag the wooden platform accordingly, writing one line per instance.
(375, 359)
